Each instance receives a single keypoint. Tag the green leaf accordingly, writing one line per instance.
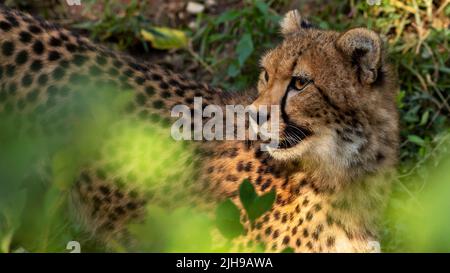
(416, 140)
(263, 204)
(165, 38)
(247, 194)
(233, 70)
(227, 16)
(262, 7)
(255, 205)
(424, 118)
(228, 219)
(288, 250)
(244, 48)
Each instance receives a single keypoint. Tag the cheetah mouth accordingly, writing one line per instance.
(293, 135)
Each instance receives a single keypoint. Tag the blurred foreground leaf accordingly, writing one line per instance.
(255, 205)
(228, 219)
(165, 38)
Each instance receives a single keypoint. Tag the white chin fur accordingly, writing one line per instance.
(323, 146)
(290, 153)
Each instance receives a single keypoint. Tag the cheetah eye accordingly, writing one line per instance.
(298, 83)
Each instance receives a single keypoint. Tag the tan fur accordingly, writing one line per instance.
(330, 187)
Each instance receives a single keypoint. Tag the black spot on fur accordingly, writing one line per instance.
(71, 47)
(139, 80)
(104, 190)
(101, 60)
(27, 80)
(136, 66)
(240, 166)
(117, 64)
(156, 77)
(10, 70)
(113, 72)
(43, 79)
(36, 65)
(58, 73)
(231, 178)
(131, 206)
(22, 57)
(166, 94)
(266, 185)
(63, 37)
(149, 91)
(38, 47)
(12, 20)
(120, 210)
(268, 231)
(32, 96)
(129, 73)
(330, 241)
(12, 89)
(164, 85)
(8, 48)
(55, 42)
(141, 99)
(34, 29)
(5, 26)
(79, 59)
(25, 37)
(54, 55)
(275, 234)
(95, 70)
(158, 104)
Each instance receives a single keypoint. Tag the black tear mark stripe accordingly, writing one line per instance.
(284, 115)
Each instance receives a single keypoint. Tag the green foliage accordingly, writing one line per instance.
(126, 25)
(187, 230)
(38, 167)
(255, 205)
(228, 215)
(228, 219)
(164, 38)
(123, 28)
(181, 230)
(418, 220)
(288, 250)
(230, 44)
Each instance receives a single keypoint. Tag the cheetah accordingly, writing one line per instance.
(339, 129)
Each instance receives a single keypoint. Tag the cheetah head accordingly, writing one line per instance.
(336, 95)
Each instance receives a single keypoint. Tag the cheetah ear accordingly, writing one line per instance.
(364, 48)
(293, 22)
